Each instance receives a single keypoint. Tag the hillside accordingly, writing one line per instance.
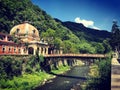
(72, 37)
(87, 33)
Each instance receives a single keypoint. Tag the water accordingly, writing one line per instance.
(69, 81)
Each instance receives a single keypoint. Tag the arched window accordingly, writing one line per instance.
(3, 48)
(41, 50)
(30, 50)
(17, 30)
(45, 51)
(9, 49)
(33, 31)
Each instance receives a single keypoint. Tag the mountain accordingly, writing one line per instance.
(87, 33)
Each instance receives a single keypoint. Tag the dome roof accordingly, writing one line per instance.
(26, 32)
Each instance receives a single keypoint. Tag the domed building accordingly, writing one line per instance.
(29, 35)
(26, 32)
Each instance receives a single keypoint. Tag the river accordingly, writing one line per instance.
(71, 80)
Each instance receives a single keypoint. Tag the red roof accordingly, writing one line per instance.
(9, 43)
(4, 34)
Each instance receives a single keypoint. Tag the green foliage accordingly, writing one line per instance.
(103, 81)
(69, 47)
(24, 82)
(115, 40)
(29, 81)
(49, 36)
(99, 48)
(86, 48)
(9, 67)
(106, 44)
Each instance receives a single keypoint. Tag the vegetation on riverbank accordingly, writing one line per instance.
(18, 74)
(29, 81)
(100, 76)
(24, 82)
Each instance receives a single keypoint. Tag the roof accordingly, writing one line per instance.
(9, 43)
(25, 29)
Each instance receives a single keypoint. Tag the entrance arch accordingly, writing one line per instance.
(30, 50)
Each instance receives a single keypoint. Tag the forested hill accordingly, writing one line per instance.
(87, 33)
(14, 12)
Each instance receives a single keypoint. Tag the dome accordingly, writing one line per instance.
(26, 32)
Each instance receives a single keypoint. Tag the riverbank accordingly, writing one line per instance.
(30, 81)
(99, 76)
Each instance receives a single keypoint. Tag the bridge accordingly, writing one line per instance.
(92, 56)
(54, 58)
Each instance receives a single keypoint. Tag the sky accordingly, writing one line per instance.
(97, 14)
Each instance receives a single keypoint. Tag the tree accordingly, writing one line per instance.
(106, 46)
(49, 36)
(115, 40)
(99, 48)
(86, 48)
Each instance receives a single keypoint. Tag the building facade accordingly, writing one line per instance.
(24, 39)
(29, 35)
(7, 46)
(28, 41)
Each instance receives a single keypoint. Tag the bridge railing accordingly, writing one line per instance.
(76, 55)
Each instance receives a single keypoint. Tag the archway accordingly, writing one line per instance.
(30, 50)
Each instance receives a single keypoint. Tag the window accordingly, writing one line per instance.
(24, 50)
(19, 50)
(14, 49)
(45, 50)
(33, 31)
(3, 48)
(41, 50)
(17, 31)
(9, 49)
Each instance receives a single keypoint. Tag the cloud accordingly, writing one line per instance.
(87, 23)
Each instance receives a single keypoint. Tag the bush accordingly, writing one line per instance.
(103, 81)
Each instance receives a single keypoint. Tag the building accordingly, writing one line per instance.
(24, 39)
(7, 46)
(29, 35)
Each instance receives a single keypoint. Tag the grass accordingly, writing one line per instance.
(25, 82)
(61, 69)
(29, 81)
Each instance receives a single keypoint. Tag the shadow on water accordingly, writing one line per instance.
(66, 76)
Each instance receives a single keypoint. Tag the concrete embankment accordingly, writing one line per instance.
(115, 74)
